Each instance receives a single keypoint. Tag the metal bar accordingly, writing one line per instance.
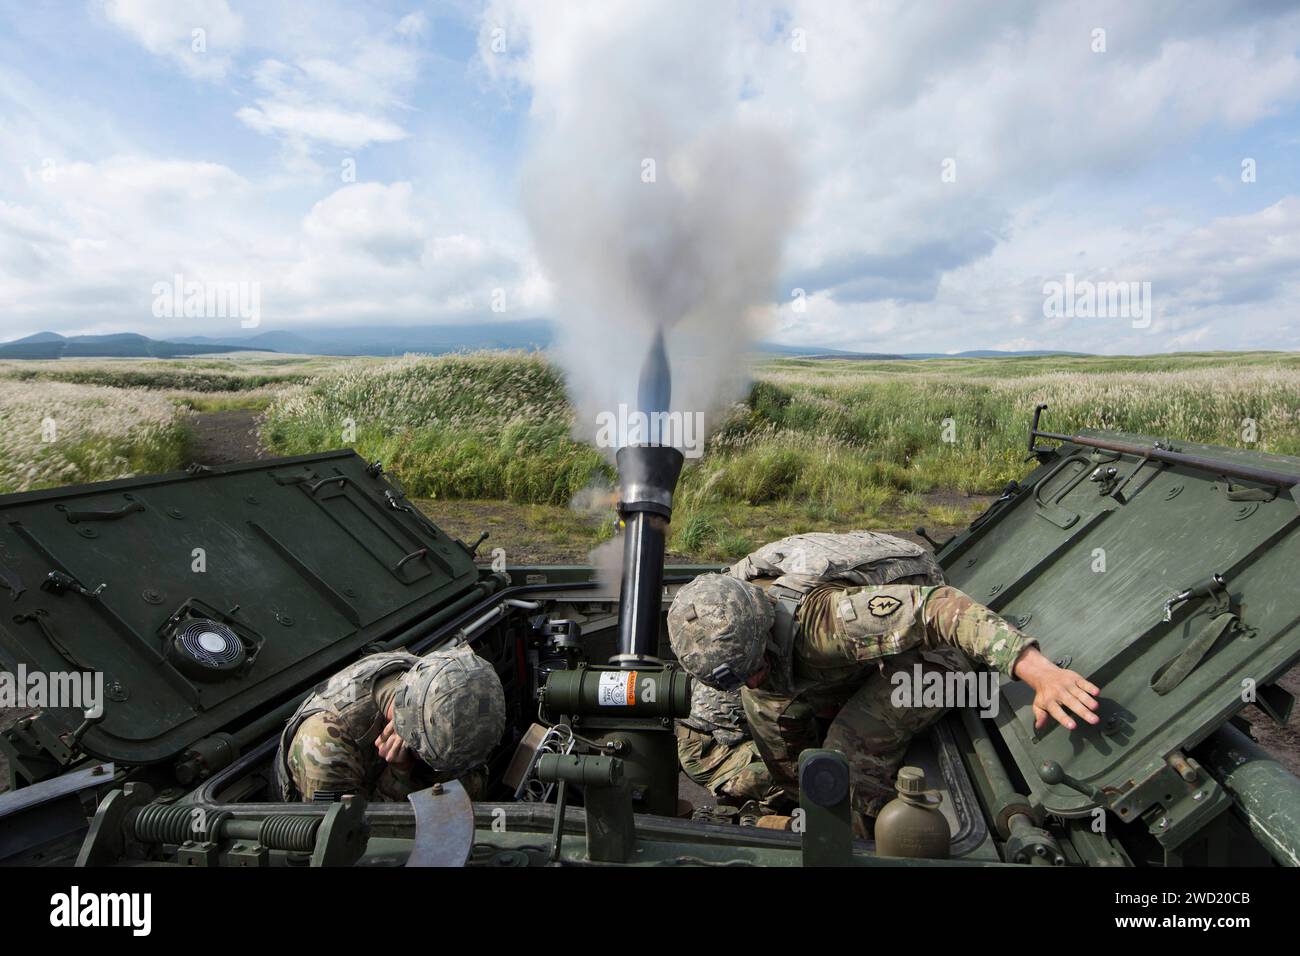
(1248, 472)
(1006, 801)
(1267, 793)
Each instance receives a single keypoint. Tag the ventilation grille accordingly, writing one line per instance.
(205, 648)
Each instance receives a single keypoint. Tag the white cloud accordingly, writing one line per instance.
(876, 98)
(346, 98)
(371, 249)
(338, 87)
(1228, 282)
(200, 36)
(84, 252)
(1052, 144)
(413, 24)
(323, 123)
(1014, 96)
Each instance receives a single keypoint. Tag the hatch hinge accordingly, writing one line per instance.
(34, 751)
(1175, 801)
(1276, 701)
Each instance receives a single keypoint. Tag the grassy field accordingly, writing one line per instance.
(72, 421)
(815, 443)
(66, 434)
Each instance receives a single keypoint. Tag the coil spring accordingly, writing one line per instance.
(177, 823)
(165, 823)
(293, 832)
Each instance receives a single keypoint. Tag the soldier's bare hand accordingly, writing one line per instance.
(1058, 692)
(391, 747)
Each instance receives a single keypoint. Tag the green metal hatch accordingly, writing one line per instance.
(1085, 555)
(280, 570)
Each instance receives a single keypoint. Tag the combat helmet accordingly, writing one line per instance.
(450, 710)
(718, 627)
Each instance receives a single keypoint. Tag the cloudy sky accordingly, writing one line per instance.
(362, 162)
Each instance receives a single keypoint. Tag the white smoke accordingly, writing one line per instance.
(628, 92)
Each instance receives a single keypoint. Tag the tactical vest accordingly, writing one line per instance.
(350, 695)
(788, 569)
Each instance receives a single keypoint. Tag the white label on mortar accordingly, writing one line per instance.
(616, 689)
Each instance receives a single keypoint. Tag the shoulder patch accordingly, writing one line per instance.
(883, 605)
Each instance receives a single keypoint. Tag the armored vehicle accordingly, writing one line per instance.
(209, 602)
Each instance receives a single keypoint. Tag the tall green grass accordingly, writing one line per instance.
(830, 437)
(485, 425)
(63, 434)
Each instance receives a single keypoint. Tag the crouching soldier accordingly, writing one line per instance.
(715, 750)
(810, 629)
(391, 724)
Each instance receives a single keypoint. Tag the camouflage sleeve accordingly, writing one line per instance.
(890, 619)
(395, 784)
(322, 757)
(951, 617)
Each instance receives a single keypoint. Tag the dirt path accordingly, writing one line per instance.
(222, 438)
(1282, 742)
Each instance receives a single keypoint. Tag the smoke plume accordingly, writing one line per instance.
(652, 201)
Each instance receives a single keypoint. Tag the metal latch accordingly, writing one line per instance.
(1213, 585)
(56, 582)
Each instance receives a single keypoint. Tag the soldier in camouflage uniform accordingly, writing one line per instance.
(391, 724)
(810, 629)
(715, 749)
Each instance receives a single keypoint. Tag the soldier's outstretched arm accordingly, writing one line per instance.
(952, 617)
(945, 616)
(1057, 690)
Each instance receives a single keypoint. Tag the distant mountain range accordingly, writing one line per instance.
(50, 345)
(381, 340)
(395, 340)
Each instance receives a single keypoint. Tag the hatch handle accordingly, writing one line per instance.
(1175, 671)
(1245, 492)
(110, 515)
(38, 617)
(420, 555)
(337, 480)
(1052, 510)
(473, 551)
(1052, 773)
